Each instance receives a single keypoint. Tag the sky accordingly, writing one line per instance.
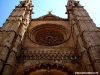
(41, 7)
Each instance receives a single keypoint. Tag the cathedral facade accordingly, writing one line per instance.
(49, 45)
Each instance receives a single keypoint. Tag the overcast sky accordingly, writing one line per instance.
(41, 7)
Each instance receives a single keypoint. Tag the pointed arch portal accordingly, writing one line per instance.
(47, 69)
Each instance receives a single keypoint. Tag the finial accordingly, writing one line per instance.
(49, 12)
(71, 0)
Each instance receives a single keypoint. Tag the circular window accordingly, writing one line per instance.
(49, 34)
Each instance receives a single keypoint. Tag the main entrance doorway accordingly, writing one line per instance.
(48, 69)
(48, 72)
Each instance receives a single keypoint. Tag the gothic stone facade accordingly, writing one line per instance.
(49, 45)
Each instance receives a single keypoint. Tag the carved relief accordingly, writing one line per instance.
(49, 55)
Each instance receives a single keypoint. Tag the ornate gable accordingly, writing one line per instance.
(49, 16)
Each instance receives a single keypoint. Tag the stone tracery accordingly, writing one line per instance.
(49, 34)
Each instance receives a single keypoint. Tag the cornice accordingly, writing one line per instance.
(49, 17)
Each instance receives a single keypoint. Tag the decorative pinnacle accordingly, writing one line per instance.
(26, 0)
(71, 0)
(49, 12)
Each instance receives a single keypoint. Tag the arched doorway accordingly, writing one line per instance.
(48, 69)
(48, 72)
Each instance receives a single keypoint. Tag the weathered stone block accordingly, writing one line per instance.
(6, 38)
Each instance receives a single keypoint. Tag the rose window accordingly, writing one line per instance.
(49, 34)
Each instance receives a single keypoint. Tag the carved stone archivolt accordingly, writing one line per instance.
(49, 34)
(45, 69)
